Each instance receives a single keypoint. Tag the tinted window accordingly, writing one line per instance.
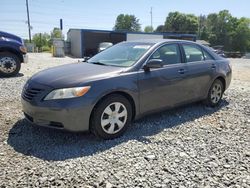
(169, 54)
(193, 53)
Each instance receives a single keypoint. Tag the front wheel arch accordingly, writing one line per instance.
(12, 51)
(122, 93)
(93, 123)
(17, 64)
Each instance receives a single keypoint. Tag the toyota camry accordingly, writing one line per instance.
(124, 82)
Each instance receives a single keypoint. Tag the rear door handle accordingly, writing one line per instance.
(182, 71)
(213, 66)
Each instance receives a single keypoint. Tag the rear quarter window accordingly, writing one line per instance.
(207, 56)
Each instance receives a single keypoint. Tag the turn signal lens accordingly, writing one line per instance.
(81, 91)
(23, 49)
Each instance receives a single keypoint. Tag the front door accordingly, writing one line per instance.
(163, 87)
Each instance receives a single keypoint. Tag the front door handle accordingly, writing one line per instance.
(182, 71)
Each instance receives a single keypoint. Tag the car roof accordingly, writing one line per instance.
(159, 41)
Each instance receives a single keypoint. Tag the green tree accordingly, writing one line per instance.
(127, 23)
(148, 29)
(41, 39)
(216, 28)
(160, 28)
(241, 36)
(56, 33)
(202, 28)
(221, 29)
(181, 23)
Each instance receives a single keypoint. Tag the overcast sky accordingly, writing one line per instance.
(97, 14)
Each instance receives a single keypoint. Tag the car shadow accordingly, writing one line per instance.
(16, 76)
(54, 145)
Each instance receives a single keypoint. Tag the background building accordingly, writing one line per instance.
(85, 42)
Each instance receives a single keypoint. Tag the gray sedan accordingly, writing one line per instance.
(123, 83)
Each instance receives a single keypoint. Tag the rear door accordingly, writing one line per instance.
(201, 70)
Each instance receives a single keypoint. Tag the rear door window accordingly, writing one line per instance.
(193, 53)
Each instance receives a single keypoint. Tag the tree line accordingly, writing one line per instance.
(217, 28)
(43, 41)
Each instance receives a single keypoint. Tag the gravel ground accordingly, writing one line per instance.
(191, 146)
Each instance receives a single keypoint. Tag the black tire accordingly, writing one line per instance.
(214, 99)
(7, 62)
(99, 114)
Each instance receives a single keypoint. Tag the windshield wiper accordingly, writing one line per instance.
(97, 63)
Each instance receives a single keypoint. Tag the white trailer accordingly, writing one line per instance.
(138, 36)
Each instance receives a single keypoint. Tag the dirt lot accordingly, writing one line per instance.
(192, 146)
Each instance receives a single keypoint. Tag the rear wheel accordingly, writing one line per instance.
(111, 117)
(215, 93)
(9, 64)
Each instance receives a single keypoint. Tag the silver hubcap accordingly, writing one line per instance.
(216, 93)
(7, 65)
(114, 118)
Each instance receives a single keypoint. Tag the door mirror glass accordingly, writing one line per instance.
(153, 64)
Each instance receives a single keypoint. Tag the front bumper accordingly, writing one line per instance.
(72, 118)
(25, 58)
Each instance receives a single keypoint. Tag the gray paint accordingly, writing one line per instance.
(151, 91)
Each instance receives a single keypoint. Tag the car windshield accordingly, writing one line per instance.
(122, 55)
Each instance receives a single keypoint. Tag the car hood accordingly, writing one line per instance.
(75, 74)
(10, 37)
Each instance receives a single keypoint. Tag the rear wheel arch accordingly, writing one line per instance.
(223, 80)
(215, 93)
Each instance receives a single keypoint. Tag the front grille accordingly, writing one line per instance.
(29, 93)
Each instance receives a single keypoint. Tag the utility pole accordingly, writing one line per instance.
(199, 28)
(28, 15)
(151, 14)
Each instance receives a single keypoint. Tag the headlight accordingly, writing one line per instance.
(67, 93)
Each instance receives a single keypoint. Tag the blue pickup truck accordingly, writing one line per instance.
(12, 54)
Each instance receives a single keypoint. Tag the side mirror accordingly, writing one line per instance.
(85, 59)
(153, 64)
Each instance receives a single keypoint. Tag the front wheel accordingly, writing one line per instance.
(111, 117)
(215, 93)
(9, 64)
